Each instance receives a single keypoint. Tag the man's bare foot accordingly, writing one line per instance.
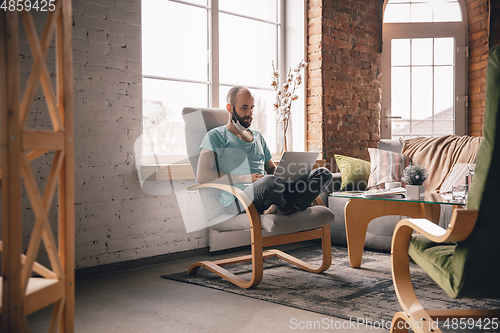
(273, 209)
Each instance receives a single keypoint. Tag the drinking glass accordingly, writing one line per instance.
(458, 192)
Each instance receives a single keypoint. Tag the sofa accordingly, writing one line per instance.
(441, 156)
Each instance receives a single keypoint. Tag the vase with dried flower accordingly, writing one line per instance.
(285, 95)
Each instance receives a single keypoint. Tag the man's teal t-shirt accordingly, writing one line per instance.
(235, 156)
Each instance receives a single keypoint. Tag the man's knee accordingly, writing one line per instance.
(322, 174)
(272, 183)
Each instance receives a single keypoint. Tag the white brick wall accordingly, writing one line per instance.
(115, 220)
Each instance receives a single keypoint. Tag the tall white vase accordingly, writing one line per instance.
(281, 137)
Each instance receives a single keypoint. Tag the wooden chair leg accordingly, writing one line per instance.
(403, 323)
(216, 268)
(399, 324)
(257, 257)
(223, 273)
(326, 252)
(415, 316)
(326, 247)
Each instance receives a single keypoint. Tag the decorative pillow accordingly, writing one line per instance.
(456, 177)
(386, 167)
(354, 172)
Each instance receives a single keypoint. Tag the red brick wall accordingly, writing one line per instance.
(344, 81)
(315, 85)
(478, 16)
(344, 85)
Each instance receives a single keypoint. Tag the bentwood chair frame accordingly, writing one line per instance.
(413, 314)
(258, 243)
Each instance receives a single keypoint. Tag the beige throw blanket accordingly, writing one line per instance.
(439, 155)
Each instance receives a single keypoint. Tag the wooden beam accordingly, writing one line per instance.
(35, 154)
(36, 49)
(12, 306)
(66, 182)
(42, 292)
(50, 187)
(56, 316)
(31, 156)
(41, 217)
(32, 85)
(42, 140)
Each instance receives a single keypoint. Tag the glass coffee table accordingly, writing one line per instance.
(361, 210)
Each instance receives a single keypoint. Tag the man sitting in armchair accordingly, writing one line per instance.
(239, 156)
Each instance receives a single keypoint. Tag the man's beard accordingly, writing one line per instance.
(241, 120)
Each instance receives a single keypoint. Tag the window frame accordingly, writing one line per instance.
(457, 30)
(287, 42)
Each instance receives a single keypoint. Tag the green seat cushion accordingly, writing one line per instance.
(354, 171)
(436, 260)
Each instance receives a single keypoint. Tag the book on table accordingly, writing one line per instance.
(397, 192)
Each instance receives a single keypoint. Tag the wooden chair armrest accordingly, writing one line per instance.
(239, 194)
(242, 196)
(460, 227)
(251, 211)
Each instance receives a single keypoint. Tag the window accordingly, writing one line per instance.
(417, 11)
(194, 51)
(424, 68)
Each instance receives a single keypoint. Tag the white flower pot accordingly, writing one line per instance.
(415, 192)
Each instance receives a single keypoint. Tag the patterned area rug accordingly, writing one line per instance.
(360, 294)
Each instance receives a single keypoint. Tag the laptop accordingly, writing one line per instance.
(295, 165)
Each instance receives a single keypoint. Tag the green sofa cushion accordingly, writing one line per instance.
(354, 172)
(471, 268)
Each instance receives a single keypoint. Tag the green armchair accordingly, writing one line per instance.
(464, 259)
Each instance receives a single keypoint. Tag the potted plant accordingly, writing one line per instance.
(414, 176)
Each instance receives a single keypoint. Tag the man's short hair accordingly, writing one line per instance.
(232, 95)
